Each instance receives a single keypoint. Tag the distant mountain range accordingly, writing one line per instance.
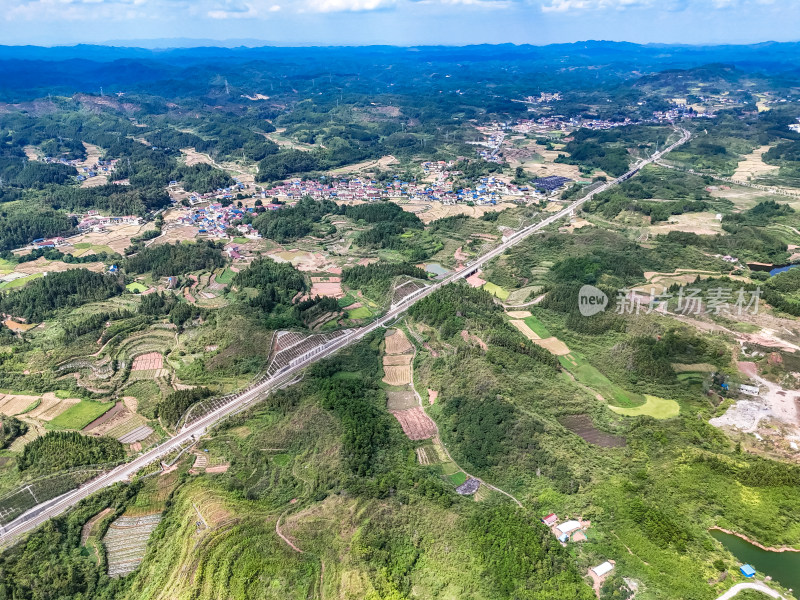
(31, 71)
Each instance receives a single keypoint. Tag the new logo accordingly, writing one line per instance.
(591, 300)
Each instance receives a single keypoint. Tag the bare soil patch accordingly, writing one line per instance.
(432, 396)
(332, 288)
(218, 469)
(400, 400)
(147, 362)
(415, 423)
(465, 335)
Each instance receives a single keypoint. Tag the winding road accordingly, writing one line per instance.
(192, 432)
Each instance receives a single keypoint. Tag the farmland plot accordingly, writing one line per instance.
(415, 423)
(126, 542)
(397, 375)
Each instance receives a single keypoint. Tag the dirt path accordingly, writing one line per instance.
(757, 585)
(530, 303)
(283, 537)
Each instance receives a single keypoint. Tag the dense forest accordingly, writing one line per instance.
(293, 222)
(173, 260)
(58, 450)
(41, 298)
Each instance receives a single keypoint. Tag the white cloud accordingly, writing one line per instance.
(347, 5)
(580, 5)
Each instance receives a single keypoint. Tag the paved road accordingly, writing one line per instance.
(38, 515)
(750, 586)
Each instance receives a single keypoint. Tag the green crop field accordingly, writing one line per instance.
(80, 415)
(136, 287)
(537, 327)
(362, 312)
(496, 290)
(658, 408)
(226, 277)
(17, 283)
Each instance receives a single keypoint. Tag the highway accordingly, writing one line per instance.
(191, 432)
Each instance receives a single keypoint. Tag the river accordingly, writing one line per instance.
(783, 567)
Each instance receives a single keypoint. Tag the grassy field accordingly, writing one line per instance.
(496, 290)
(136, 287)
(9, 285)
(658, 408)
(226, 277)
(80, 415)
(362, 312)
(588, 375)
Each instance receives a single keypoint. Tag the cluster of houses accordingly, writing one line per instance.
(489, 190)
(93, 221)
(215, 220)
(227, 193)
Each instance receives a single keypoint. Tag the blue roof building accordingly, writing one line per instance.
(747, 570)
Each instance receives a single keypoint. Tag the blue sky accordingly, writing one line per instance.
(400, 22)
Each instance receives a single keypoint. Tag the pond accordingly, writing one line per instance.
(782, 269)
(436, 269)
(783, 567)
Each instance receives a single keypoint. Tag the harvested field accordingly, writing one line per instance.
(179, 233)
(301, 260)
(116, 237)
(400, 400)
(432, 210)
(367, 165)
(397, 343)
(704, 223)
(397, 375)
(753, 166)
(51, 406)
(397, 359)
(582, 425)
(553, 344)
(415, 423)
(14, 404)
(526, 331)
(126, 542)
(193, 157)
(148, 362)
(519, 314)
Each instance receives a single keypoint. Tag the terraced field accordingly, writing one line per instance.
(126, 542)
